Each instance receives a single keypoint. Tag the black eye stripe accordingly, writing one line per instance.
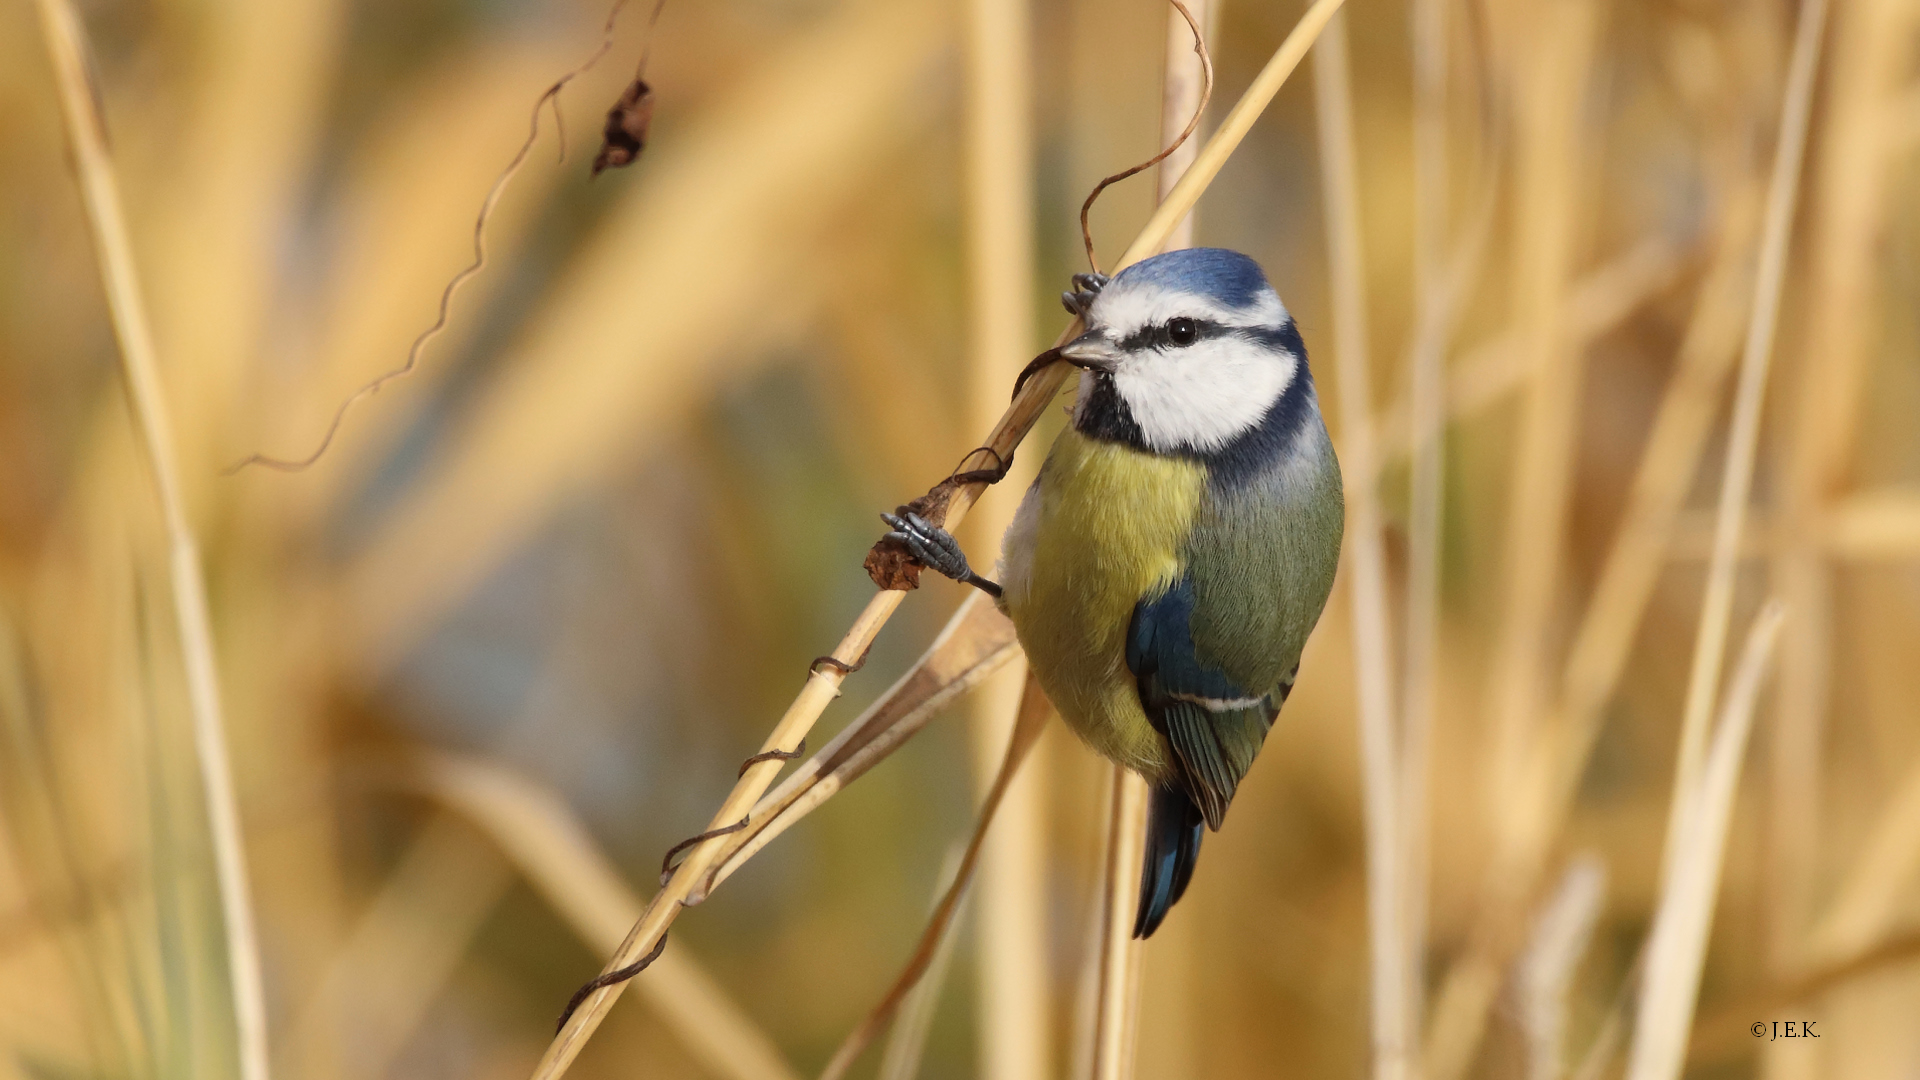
(1157, 337)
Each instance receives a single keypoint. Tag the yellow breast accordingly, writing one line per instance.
(1110, 525)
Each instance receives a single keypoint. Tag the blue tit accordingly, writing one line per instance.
(1166, 568)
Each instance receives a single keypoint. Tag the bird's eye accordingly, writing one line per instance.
(1182, 331)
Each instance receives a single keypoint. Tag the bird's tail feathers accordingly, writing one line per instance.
(1174, 827)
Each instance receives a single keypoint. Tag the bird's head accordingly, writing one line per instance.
(1184, 352)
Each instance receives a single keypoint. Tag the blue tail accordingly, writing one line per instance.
(1174, 827)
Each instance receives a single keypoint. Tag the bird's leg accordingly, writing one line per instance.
(935, 548)
(1085, 288)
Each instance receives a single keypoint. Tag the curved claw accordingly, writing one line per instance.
(1085, 288)
(935, 548)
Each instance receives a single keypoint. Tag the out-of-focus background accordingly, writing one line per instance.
(510, 638)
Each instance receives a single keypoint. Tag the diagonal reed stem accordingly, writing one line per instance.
(823, 684)
(99, 189)
(1027, 726)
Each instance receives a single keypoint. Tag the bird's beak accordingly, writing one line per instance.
(1091, 351)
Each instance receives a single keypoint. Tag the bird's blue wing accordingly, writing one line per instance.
(1215, 724)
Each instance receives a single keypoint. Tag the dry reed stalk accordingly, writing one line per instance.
(1551, 84)
(1014, 1028)
(1181, 88)
(1600, 647)
(87, 135)
(1439, 289)
(1546, 969)
(1683, 921)
(1085, 1044)
(1431, 192)
(1783, 186)
(1010, 908)
(1393, 1029)
(1598, 654)
(1850, 211)
(1213, 154)
(536, 830)
(907, 1039)
(977, 642)
(1666, 470)
(1031, 720)
(1117, 987)
(1550, 77)
(1435, 301)
(823, 685)
(1601, 642)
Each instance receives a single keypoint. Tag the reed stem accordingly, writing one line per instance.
(1783, 188)
(1366, 560)
(139, 367)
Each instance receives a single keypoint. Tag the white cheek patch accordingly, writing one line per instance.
(1123, 312)
(1200, 397)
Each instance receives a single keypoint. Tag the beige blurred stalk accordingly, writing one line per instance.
(907, 1039)
(1704, 779)
(1743, 439)
(1551, 73)
(1438, 296)
(1392, 971)
(1117, 961)
(87, 135)
(1548, 52)
(1856, 192)
(1014, 1025)
(1683, 920)
(1545, 972)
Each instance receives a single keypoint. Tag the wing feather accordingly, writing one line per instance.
(1215, 725)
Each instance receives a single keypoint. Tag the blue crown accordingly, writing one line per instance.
(1216, 273)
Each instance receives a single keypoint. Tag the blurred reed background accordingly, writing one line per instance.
(509, 640)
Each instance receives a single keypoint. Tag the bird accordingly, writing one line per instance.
(1165, 569)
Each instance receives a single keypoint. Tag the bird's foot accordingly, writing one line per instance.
(935, 548)
(1085, 288)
